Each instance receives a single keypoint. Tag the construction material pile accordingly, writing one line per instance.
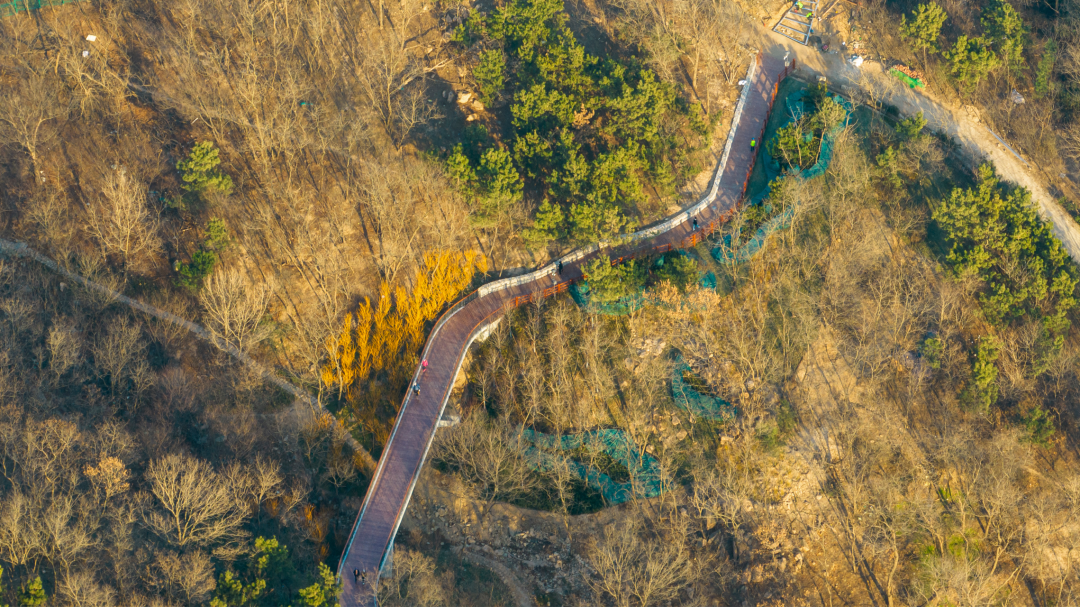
(908, 71)
(911, 76)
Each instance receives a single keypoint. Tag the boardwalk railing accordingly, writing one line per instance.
(550, 270)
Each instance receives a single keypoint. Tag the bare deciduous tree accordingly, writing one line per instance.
(82, 590)
(196, 505)
(414, 583)
(118, 355)
(27, 113)
(65, 348)
(636, 572)
(20, 529)
(122, 222)
(489, 456)
(187, 577)
(235, 309)
(392, 80)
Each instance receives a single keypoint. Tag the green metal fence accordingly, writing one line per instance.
(13, 7)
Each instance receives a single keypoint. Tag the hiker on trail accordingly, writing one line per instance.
(423, 365)
(416, 387)
(695, 224)
(363, 578)
(356, 575)
(753, 144)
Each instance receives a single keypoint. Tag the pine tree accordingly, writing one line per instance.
(323, 593)
(199, 171)
(1006, 31)
(923, 30)
(2, 585)
(971, 59)
(982, 390)
(490, 73)
(32, 594)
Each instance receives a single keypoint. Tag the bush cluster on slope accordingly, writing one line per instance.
(589, 134)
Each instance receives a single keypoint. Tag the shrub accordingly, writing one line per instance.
(1039, 426)
(199, 171)
(215, 240)
(608, 284)
(931, 350)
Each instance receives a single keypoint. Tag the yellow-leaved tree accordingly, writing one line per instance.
(370, 361)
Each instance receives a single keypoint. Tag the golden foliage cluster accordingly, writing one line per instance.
(375, 352)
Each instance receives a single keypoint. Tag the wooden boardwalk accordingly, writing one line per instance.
(402, 458)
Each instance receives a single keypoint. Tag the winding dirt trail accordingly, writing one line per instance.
(522, 596)
(20, 249)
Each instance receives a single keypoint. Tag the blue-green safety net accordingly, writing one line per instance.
(643, 469)
(698, 404)
(13, 7)
(793, 107)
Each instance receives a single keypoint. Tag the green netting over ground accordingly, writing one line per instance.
(643, 469)
(7, 9)
(793, 106)
(708, 281)
(579, 292)
(908, 80)
(701, 405)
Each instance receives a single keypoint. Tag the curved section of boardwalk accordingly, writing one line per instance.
(402, 458)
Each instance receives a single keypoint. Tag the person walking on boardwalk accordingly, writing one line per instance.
(356, 575)
(558, 267)
(423, 365)
(695, 224)
(753, 145)
(416, 388)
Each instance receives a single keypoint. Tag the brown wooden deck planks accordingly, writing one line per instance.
(404, 455)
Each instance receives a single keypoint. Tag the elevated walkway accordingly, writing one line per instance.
(371, 542)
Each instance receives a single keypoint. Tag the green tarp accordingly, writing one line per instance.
(911, 82)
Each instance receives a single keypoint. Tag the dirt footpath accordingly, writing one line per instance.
(973, 137)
